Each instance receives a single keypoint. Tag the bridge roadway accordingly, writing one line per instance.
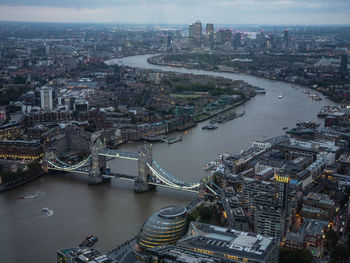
(227, 209)
(120, 176)
(226, 206)
(79, 171)
(119, 154)
(156, 183)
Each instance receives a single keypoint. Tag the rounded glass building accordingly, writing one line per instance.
(165, 226)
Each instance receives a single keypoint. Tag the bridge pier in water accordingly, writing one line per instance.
(144, 173)
(98, 163)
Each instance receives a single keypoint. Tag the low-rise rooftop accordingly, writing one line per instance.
(228, 243)
(319, 198)
(314, 226)
(84, 255)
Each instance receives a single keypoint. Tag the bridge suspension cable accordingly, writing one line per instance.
(167, 174)
(68, 167)
(216, 185)
(177, 184)
(161, 178)
(212, 190)
(74, 166)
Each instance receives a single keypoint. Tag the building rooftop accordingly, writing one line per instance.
(345, 158)
(82, 85)
(227, 242)
(85, 255)
(278, 140)
(293, 236)
(314, 226)
(239, 212)
(311, 209)
(172, 211)
(183, 255)
(9, 125)
(273, 163)
(319, 198)
(20, 142)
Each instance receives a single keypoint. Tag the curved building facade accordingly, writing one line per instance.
(166, 226)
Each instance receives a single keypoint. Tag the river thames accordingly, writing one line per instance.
(113, 212)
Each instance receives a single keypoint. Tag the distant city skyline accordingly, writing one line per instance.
(291, 12)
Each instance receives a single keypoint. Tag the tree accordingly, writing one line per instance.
(191, 218)
(34, 168)
(205, 212)
(295, 255)
(332, 238)
(19, 80)
(340, 252)
(89, 129)
(9, 176)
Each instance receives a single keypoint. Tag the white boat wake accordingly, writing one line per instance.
(36, 194)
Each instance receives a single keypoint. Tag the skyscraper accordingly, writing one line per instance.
(190, 31)
(286, 35)
(261, 40)
(237, 40)
(224, 36)
(344, 62)
(168, 40)
(227, 36)
(46, 98)
(209, 33)
(195, 33)
(267, 203)
(270, 41)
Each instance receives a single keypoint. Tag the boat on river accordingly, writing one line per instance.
(174, 140)
(88, 241)
(47, 211)
(315, 97)
(209, 166)
(209, 127)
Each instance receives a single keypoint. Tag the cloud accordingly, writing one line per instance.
(179, 11)
(121, 3)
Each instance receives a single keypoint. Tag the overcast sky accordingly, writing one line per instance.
(295, 12)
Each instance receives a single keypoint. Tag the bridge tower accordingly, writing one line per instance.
(202, 186)
(98, 163)
(44, 162)
(144, 173)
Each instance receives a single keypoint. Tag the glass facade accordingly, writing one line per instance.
(166, 226)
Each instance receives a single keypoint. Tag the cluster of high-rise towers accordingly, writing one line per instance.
(210, 37)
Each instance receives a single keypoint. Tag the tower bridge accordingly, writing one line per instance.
(150, 173)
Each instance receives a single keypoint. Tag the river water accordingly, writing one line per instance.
(112, 211)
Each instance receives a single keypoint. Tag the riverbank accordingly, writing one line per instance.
(7, 187)
(204, 118)
(153, 60)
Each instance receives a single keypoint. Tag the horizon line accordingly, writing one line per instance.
(165, 23)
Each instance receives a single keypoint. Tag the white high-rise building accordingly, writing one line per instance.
(46, 98)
